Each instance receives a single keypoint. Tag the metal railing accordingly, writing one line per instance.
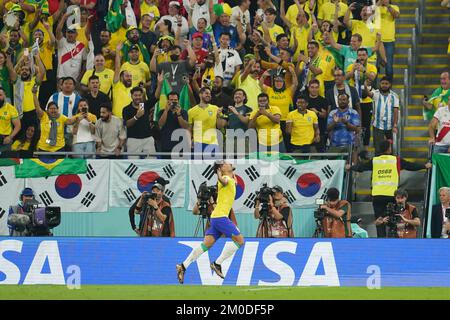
(426, 195)
(184, 155)
(348, 181)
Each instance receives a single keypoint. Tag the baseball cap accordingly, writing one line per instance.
(277, 189)
(174, 3)
(270, 11)
(249, 56)
(158, 186)
(134, 47)
(27, 192)
(197, 35)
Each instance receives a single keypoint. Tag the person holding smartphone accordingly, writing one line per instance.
(138, 119)
(84, 132)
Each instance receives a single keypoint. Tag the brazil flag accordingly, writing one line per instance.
(44, 167)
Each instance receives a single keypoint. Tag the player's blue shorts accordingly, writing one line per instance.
(219, 226)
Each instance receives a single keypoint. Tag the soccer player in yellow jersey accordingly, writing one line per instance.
(220, 224)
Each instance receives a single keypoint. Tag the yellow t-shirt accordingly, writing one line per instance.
(225, 198)
(302, 127)
(18, 145)
(292, 13)
(282, 100)
(368, 34)
(29, 16)
(274, 31)
(327, 10)
(28, 101)
(325, 64)
(204, 122)
(119, 36)
(301, 34)
(269, 133)
(81, 36)
(46, 55)
(388, 24)
(370, 68)
(329, 66)
(252, 89)
(41, 27)
(121, 98)
(163, 58)
(7, 113)
(151, 10)
(109, 61)
(106, 79)
(140, 72)
(45, 132)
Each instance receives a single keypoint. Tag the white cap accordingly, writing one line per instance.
(174, 3)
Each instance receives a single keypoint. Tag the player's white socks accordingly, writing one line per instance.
(197, 252)
(228, 251)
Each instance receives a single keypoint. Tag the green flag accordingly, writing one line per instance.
(36, 168)
(185, 102)
(114, 18)
(161, 104)
(442, 165)
(274, 156)
(5, 162)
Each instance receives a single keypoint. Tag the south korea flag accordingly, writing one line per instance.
(10, 189)
(250, 175)
(75, 192)
(129, 178)
(303, 183)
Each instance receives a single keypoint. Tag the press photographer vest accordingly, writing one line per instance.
(406, 230)
(338, 227)
(385, 175)
(271, 228)
(153, 227)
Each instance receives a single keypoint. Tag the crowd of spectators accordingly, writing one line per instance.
(101, 77)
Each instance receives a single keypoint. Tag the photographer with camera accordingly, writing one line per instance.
(155, 213)
(274, 213)
(206, 203)
(335, 216)
(27, 219)
(401, 217)
(18, 221)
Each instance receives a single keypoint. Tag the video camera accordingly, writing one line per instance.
(319, 214)
(393, 210)
(263, 196)
(149, 196)
(36, 220)
(205, 193)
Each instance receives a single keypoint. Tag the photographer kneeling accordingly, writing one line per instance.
(274, 213)
(401, 217)
(156, 214)
(206, 202)
(337, 219)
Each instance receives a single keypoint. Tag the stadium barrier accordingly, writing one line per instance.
(262, 262)
(97, 203)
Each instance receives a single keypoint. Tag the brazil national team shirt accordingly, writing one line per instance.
(225, 198)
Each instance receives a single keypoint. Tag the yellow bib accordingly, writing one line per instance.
(385, 175)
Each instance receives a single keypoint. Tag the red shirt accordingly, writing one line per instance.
(201, 55)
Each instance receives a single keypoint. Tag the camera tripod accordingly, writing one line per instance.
(201, 224)
(318, 233)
